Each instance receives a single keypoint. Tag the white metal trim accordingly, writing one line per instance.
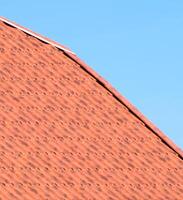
(35, 35)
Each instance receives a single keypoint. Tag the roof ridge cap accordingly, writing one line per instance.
(40, 37)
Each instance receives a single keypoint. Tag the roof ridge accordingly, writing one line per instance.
(106, 85)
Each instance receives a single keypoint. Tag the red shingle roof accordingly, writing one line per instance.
(65, 133)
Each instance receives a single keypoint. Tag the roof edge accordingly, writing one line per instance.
(40, 37)
(105, 84)
(129, 106)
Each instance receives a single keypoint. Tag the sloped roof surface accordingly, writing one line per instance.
(64, 135)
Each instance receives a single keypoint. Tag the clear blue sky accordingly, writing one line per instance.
(136, 45)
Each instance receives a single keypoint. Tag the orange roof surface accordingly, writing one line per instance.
(66, 134)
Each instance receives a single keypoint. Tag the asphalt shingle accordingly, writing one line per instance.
(65, 135)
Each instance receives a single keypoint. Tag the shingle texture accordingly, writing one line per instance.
(63, 136)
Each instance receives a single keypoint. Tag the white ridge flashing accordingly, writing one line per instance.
(36, 35)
